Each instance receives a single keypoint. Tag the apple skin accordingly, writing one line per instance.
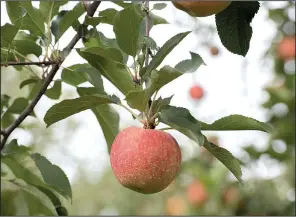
(196, 92)
(214, 51)
(286, 48)
(201, 8)
(197, 194)
(145, 160)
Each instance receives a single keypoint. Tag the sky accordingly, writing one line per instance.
(225, 79)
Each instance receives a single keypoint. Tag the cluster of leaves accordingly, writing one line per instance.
(107, 57)
(35, 178)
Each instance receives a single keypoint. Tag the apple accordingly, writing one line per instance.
(145, 160)
(176, 206)
(201, 8)
(286, 48)
(214, 51)
(197, 194)
(231, 195)
(196, 92)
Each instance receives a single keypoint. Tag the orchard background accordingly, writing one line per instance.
(260, 85)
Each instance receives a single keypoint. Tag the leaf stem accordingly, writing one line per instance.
(166, 128)
(130, 111)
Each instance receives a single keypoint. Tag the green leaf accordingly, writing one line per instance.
(116, 72)
(233, 26)
(65, 20)
(93, 21)
(161, 104)
(181, 120)
(8, 33)
(94, 38)
(7, 119)
(50, 8)
(225, 157)
(70, 107)
(13, 148)
(149, 42)
(34, 15)
(35, 89)
(40, 197)
(26, 47)
(157, 20)
(126, 28)
(18, 105)
(28, 81)
(190, 65)
(108, 15)
(107, 117)
(236, 122)
(75, 74)
(56, 91)
(163, 52)
(52, 174)
(159, 6)
(14, 11)
(4, 101)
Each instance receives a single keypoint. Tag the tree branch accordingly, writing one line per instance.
(91, 10)
(44, 63)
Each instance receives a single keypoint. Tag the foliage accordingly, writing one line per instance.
(106, 58)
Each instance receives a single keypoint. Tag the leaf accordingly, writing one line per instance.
(34, 14)
(4, 101)
(34, 192)
(65, 20)
(52, 174)
(75, 74)
(18, 105)
(126, 28)
(107, 117)
(162, 53)
(159, 6)
(93, 21)
(70, 107)
(225, 157)
(181, 120)
(157, 19)
(56, 91)
(50, 8)
(15, 11)
(149, 42)
(108, 15)
(13, 148)
(94, 38)
(35, 89)
(190, 65)
(7, 119)
(28, 81)
(233, 26)
(236, 122)
(116, 72)
(8, 33)
(26, 47)
(161, 104)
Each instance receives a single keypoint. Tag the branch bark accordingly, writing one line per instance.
(44, 63)
(6, 133)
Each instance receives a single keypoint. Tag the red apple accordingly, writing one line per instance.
(231, 195)
(145, 160)
(286, 48)
(196, 193)
(196, 92)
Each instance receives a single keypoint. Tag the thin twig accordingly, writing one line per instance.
(43, 63)
(93, 7)
(3, 132)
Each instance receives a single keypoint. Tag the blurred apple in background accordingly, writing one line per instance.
(197, 194)
(286, 48)
(214, 51)
(196, 92)
(176, 205)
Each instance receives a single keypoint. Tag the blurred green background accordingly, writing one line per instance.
(204, 186)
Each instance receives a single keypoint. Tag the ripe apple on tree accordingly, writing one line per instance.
(286, 48)
(145, 160)
(201, 8)
(176, 205)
